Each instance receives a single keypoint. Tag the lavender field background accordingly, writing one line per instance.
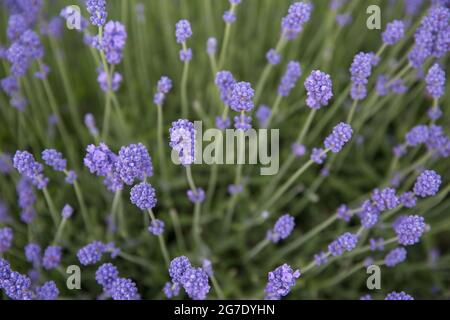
(89, 118)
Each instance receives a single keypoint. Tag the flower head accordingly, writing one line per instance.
(156, 227)
(182, 140)
(124, 289)
(178, 267)
(242, 122)
(105, 275)
(97, 10)
(417, 135)
(196, 196)
(91, 253)
(171, 289)
(408, 199)
(99, 159)
(395, 257)
(52, 257)
(6, 238)
(54, 159)
(410, 229)
(196, 283)
(298, 14)
(298, 149)
(183, 31)
(282, 229)
(320, 258)
(33, 253)
(385, 199)
(273, 57)
(395, 31)
(48, 291)
(398, 296)
(340, 135)
(280, 282)
(360, 71)
(241, 97)
(225, 81)
(211, 46)
(435, 80)
(345, 242)
(223, 123)
(319, 89)
(290, 78)
(318, 155)
(113, 41)
(133, 163)
(427, 184)
(143, 195)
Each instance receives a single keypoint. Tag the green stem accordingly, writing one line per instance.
(217, 288)
(352, 111)
(51, 206)
(226, 40)
(184, 78)
(87, 221)
(59, 232)
(275, 108)
(258, 248)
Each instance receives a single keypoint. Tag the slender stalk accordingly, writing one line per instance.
(190, 179)
(87, 221)
(51, 206)
(352, 111)
(275, 108)
(217, 288)
(115, 205)
(258, 248)
(59, 232)
(226, 40)
(162, 243)
(184, 78)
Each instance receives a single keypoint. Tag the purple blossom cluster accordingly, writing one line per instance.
(27, 166)
(162, 89)
(282, 229)
(195, 281)
(298, 14)
(410, 229)
(360, 71)
(345, 242)
(290, 78)
(319, 89)
(394, 32)
(280, 282)
(182, 140)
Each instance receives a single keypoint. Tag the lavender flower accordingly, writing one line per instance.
(52, 257)
(48, 291)
(113, 41)
(124, 289)
(10, 85)
(196, 283)
(344, 19)
(97, 10)
(345, 242)
(105, 276)
(143, 195)
(376, 244)
(91, 253)
(133, 163)
(435, 80)
(318, 155)
(99, 159)
(6, 238)
(225, 82)
(16, 285)
(186, 54)
(54, 159)
(229, 17)
(366, 297)
(320, 258)
(71, 176)
(182, 140)
(319, 89)
(360, 71)
(197, 196)
(102, 80)
(417, 135)
(280, 282)
(298, 149)
(340, 135)
(290, 77)
(171, 290)
(164, 85)
(211, 46)
(385, 199)
(369, 214)
(235, 189)
(33, 253)
(263, 114)
(178, 267)
(395, 257)
(282, 229)
(24, 162)
(292, 24)
(410, 229)
(183, 31)
(395, 31)
(273, 57)
(434, 113)
(222, 123)
(241, 97)
(343, 213)
(207, 267)
(156, 227)
(242, 122)
(398, 296)
(89, 121)
(408, 199)
(17, 25)
(427, 184)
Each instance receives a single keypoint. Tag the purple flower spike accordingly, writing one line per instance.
(6, 238)
(343, 213)
(52, 257)
(99, 160)
(183, 31)
(91, 253)
(171, 290)
(263, 114)
(124, 289)
(318, 155)
(341, 134)
(105, 276)
(376, 244)
(156, 227)
(143, 195)
(273, 57)
(435, 80)
(290, 78)
(417, 135)
(298, 14)
(54, 159)
(298, 149)
(196, 283)
(222, 123)
(113, 41)
(282, 229)
(97, 10)
(211, 46)
(319, 89)
(360, 71)
(229, 17)
(241, 97)
(395, 256)
(48, 291)
(280, 282)
(320, 258)
(197, 196)
(398, 296)
(395, 31)
(186, 55)
(345, 242)
(182, 140)
(178, 267)
(408, 199)
(242, 122)
(427, 184)
(410, 229)
(133, 163)
(385, 199)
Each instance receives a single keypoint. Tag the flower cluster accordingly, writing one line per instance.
(282, 229)
(162, 89)
(292, 24)
(360, 71)
(280, 282)
(319, 89)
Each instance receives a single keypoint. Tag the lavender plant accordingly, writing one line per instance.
(114, 156)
